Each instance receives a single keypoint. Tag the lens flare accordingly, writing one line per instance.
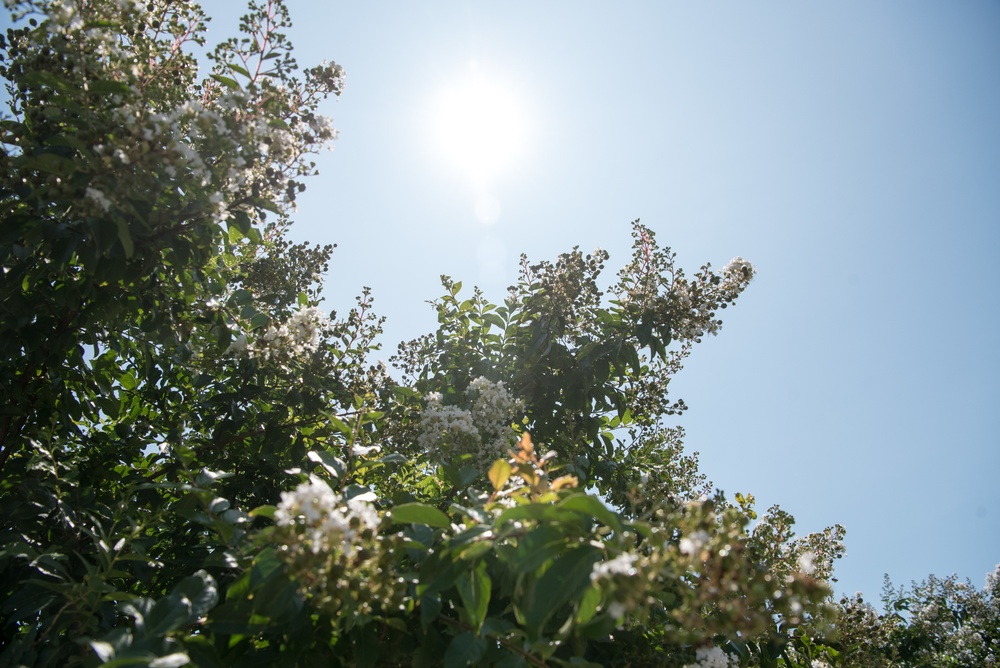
(479, 128)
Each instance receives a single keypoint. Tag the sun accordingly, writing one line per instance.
(479, 127)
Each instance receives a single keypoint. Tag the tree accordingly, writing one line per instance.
(937, 622)
(199, 465)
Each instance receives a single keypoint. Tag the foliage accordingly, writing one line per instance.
(202, 466)
(937, 622)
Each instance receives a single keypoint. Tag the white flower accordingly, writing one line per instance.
(483, 430)
(807, 563)
(623, 564)
(365, 512)
(711, 657)
(298, 336)
(739, 269)
(363, 450)
(323, 517)
(993, 579)
(311, 500)
(238, 348)
(63, 17)
(217, 205)
(695, 543)
(304, 328)
(617, 610)
(99, 198)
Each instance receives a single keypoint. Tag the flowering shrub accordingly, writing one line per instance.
(334, 550)
(201, 466)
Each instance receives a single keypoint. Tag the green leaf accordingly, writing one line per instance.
(239, 70)
(241, 297)
(587, 607)
(562, 582)
(499, 473)
(125, 236)
(474, 587)
(367, 647)
(465, 650)
(418, 513)
(263, 511)
(168, 614)
(537, 548)
(51, 163)
(334, 465)
(258, 321)
(231, 84)
(644, 332)
(430, 608)
(108, 87)
(592, 506)
(201, 590)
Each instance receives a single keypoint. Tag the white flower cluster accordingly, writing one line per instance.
(693, 544)
(63, 17)
(483, 430)
(737, 273)
(99, 198)
(623, 564)
(439, 422)
(807, 563)
(184, 128)
(697, 301)
(330, 523)
(297, 337)
(712, 657)
(993, 581)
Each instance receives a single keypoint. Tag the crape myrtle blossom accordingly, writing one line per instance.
(334, 548)
(693, 544)
(483, 430)
(807, 563)
(696, 301)
(993, 581)
(365, 450)
(225, 142)
(327, 522)
(712, 657)
(737, 273)
(623, 564)
(298, 336)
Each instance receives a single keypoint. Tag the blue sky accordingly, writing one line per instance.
(850, 150)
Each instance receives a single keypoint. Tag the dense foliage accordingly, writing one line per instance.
(200, 465)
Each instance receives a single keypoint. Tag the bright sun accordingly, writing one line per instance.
(479, 127)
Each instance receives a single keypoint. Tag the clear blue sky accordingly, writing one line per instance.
(851, 150)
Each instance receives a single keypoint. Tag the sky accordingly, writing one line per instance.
(850, 150)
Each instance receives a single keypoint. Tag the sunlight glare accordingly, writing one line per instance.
(479, 128)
